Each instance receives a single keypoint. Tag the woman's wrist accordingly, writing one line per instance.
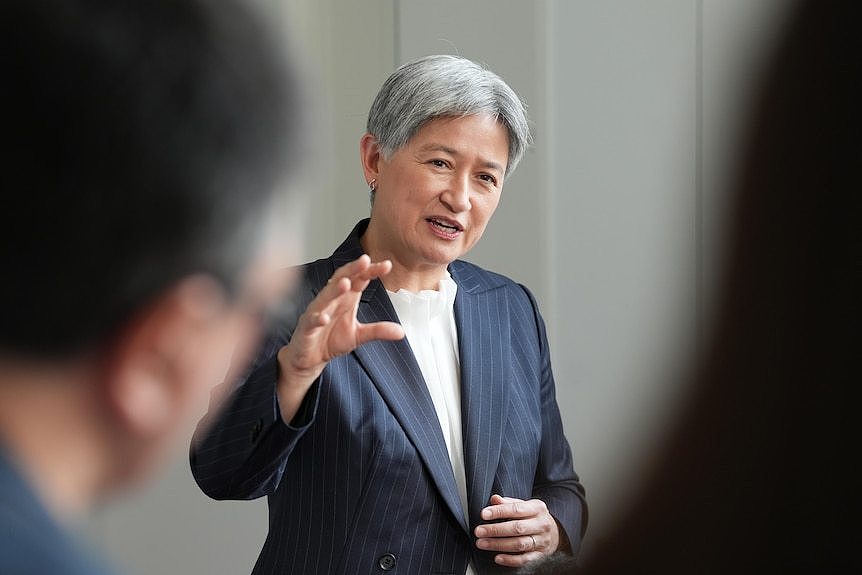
(292, 384)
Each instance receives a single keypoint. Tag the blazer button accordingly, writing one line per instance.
(387, 562)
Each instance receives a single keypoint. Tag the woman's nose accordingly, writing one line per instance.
(457, 195)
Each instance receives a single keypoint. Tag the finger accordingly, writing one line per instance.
(358, 274)
(316, 320)
(353, 278)
(514, 508)
(517, 560)
(362, 268)
(517, 544)
(334, 287)
(323, 306)
(360, 279)
(357, 266)
(383, 330)
(494, 500)
(376, 269)
(512, 529)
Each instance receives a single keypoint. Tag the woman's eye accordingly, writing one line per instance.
(488, 178)
(438, 163)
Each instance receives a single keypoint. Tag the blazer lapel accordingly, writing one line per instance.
(483, 334)
(396, 374)
(482, 320)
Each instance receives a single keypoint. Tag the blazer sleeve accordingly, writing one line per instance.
(241, 447)
(556, 482)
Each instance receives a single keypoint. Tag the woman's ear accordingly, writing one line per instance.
(369, 154)
(149, 378)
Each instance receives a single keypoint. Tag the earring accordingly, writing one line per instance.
(372, 189)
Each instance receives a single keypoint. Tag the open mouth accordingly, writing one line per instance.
(446, 226)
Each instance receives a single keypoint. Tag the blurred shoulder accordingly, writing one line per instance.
(31, 542)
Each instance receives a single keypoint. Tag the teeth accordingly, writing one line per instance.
(442, 225)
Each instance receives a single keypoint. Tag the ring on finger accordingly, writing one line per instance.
(533, 539)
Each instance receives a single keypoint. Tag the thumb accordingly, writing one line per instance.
(383, 330)
(496, 499)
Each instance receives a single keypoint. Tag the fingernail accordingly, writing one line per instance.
(486, 514)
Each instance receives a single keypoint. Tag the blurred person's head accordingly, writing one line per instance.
(146, 143)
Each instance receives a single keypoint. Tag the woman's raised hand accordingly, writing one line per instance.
(329, 328)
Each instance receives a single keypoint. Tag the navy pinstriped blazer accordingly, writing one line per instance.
(360, 481)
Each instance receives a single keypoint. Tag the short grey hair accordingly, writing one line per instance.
(439, 86)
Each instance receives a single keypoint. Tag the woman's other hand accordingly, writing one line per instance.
(523, 530)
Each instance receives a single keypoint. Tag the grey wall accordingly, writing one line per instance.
(624, 105)
(518, 239)
(614, 219)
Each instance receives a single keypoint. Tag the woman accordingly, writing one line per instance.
(441, 452)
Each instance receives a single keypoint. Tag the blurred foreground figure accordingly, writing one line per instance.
(144, 143)
(755, 475)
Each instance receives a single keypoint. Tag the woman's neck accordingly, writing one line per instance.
(413, 278)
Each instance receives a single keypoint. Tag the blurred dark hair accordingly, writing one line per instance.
(755, 476)
(144, 141)
(550, 565)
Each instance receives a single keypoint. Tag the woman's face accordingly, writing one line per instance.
(436, 194)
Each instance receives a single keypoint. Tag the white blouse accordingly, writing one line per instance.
(428, 319)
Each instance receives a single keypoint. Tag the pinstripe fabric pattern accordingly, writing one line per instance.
(363, 470)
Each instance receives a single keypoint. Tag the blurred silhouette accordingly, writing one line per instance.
(754, 477)
(144, 141)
